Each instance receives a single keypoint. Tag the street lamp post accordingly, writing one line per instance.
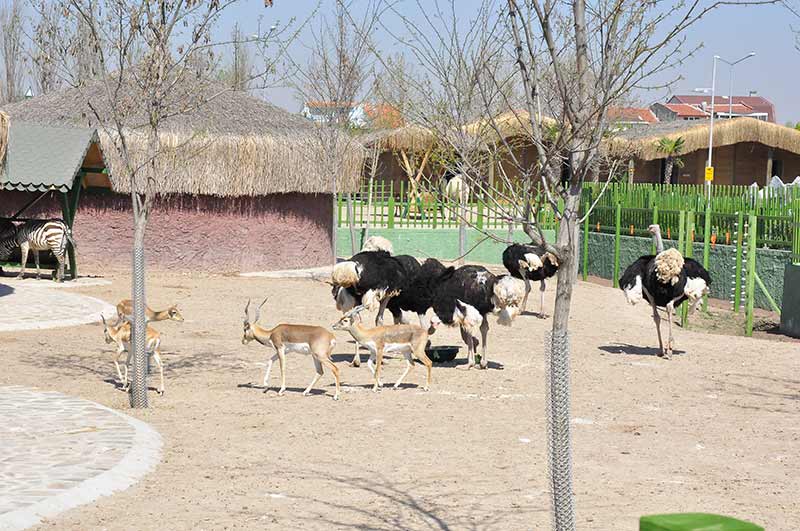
(730, 108)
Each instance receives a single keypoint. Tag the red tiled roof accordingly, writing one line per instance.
(631, 114)
(384, 115)
(685, 111)
(757, 103)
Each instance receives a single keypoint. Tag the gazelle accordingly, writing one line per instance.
(410, 340)
(121, 335)
(286, 338)
(125, 311)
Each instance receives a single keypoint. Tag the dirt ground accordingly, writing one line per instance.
(714, 429)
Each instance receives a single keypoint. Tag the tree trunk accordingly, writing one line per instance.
(668, 170)
(138, 386)
(558, 372)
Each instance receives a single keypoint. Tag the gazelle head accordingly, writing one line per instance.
(174, 314)
(349, 318)
(248, 334)
(108, 337)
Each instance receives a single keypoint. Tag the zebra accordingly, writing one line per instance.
(39, 235)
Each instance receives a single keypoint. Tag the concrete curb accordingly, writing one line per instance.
(142, 458)
(103, 308)
(81, 282)
(316, 273)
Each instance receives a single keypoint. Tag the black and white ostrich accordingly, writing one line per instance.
(417, 297)
(665, 280)
(530, 262)
(465, 296)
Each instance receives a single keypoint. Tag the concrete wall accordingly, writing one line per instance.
(197, 233)
(790, 312)
(438, 243)
(769, 264)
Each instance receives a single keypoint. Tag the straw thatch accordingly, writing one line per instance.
(218, 142)
(3, 137)
(412, 137)
(509, 124)
(641, 141)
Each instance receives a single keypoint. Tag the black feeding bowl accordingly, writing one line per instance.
(442, 353)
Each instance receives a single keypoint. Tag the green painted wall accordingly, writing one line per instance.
(770, 264)
(438, 243)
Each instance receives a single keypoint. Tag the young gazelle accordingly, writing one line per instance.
(408, 339)
(121, 335)
(285, 338)
(125, 311)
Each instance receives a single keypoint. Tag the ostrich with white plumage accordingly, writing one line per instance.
(666, 280)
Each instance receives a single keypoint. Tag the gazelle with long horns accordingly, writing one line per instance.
(286, 338)
(408, 339)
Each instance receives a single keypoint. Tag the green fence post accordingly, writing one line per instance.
(618, 225)
(479, 220)
(390, 218)
(655, 221)
(681, 231)
(750, 289)
(339, 209)
(586, 243)
(706, 248)
(737, 274)
(688, 253)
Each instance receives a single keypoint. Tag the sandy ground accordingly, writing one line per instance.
(715, 429)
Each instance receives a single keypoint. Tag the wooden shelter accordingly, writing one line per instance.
(242, 188)
(45, 161)
(746, 151)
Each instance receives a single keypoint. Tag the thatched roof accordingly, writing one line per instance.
(219, 142)
(410, 137)
(509, 124)
(640, 141)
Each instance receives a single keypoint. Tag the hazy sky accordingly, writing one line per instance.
(730, 32)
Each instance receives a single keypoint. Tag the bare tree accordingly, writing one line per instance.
(152, 59)
(572, 60)
(238, 72)
(11, 52)
(334, 81)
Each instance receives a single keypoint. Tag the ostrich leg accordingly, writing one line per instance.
(381, 309)
(670, 314)
(484, 335)
(542, 287)
(657, 319)
(524, 274)
(469, 340)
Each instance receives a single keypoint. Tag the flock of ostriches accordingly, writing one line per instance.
(376, 280)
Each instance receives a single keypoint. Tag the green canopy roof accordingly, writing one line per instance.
(41, 158)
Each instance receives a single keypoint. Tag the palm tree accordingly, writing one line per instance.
(672, 148)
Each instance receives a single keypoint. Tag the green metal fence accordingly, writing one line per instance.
(382, 205)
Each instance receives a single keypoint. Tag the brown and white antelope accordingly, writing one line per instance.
(121, 335)
(286, 338)
(125, 312)
(408, 339)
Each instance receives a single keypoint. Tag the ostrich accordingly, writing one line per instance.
(665, 280)
(465, 296)
(420, 290)
(528, 262)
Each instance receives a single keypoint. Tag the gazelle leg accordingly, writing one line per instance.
(317, 376)
(36, 261)
(335, 370)
(157, 359)
(356, 357)
(24, 248)
(378, 363)
(423, 357)
(269, 369)
(484, 335)
(122, 380)
(282, 361)
(542, 288)
(409, 366)
(524, 274)
(371, 363)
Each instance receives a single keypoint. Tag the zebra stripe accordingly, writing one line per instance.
(44, 235)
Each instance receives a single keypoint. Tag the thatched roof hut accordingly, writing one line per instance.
(412, 137)
(641, 141)
(219, 142)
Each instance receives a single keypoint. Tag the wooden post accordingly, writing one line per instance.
(750, 288)
(586, 243)
(390, 219)
(681, 231)
(737, 276)
(69, 208)
(706, 247)
(655, 222)
(617, 227)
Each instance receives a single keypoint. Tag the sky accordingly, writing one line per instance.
(730, 32)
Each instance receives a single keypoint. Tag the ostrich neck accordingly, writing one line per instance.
(659, 242)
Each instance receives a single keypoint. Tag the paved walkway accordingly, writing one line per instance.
(59, 452)
(37, 304)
